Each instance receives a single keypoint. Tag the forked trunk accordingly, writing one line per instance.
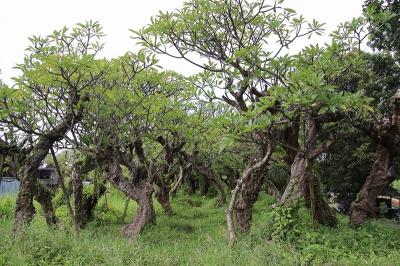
(24, 209)
(140, 190)
(380, 177)
(301, 174)
(84, 206)
(244, 205)
(29, 188)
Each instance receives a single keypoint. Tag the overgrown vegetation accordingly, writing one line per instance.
(196, 235)
(255, 118)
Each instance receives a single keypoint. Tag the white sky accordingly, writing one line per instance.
(20, 19)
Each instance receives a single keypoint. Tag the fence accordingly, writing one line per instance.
(9, 185)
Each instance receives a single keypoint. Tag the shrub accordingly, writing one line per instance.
(284, 222)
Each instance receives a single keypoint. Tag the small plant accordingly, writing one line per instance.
(383, 209)
(284, 222)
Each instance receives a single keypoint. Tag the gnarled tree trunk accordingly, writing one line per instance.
(162, 196)
(24, 209)
(244, 204)
(77, 191)
(84, 206)
(249, 192)
(139, 189)
(301, 175)
(386, 133)
(164, 181)
(29, 188)
(380, 177)
(145, 214)
(44, 197)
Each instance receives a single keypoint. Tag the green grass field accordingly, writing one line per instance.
(195, 235)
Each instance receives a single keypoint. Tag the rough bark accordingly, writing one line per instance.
(145, 214)
(44, 197)
(249, 192)
(29, 187)
(162, 191)
(380, 177)
(245, 219)
(301, 175)
(84, 205)
(77, 191)
(139, 189)
(295, 189)
(386, 133)
(299, 188)
(162, 196)
(24, 209)
(291, 139)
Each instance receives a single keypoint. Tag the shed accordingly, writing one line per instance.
(47, 175)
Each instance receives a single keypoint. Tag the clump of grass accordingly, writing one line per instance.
(6, 207)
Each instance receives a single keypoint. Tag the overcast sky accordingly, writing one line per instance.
(20, 19)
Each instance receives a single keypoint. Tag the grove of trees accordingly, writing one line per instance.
(257, 115)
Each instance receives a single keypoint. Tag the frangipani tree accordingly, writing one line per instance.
(121, 124)
(316, 97)
(46, 101)
(241, 48)
(383, 125)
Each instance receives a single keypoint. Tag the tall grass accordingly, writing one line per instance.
(195, 235)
